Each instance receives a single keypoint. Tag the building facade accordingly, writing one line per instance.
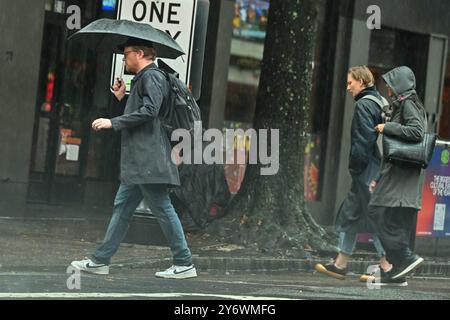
(52, 89)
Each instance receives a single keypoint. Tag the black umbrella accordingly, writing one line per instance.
(108, 35)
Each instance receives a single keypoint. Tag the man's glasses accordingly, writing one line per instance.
(126, 53)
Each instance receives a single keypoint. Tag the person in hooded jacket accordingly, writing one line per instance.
(397, 191)
(364, 165)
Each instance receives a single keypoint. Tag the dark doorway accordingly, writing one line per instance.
(61, 129)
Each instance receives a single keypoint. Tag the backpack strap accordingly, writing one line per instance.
(166, 75)
(382, 103)
(163, 72)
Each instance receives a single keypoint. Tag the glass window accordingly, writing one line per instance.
(247, 47)
(405, 48)
(444, 126)
(73, 90)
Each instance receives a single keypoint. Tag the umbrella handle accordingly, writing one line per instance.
(123, 69)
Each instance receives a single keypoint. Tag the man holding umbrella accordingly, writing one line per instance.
(147, 170)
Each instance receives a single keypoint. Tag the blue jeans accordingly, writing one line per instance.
(157, 198)
(347, 244)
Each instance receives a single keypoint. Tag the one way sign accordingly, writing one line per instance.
(176, 17)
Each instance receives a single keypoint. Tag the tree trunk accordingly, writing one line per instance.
(269, 212)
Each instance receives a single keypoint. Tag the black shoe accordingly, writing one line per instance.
(399, 282)
(331, 270)
(385, 279)
(408, 265)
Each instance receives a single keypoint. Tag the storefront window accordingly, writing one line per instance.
(413, 50)
(319, 108)
(64, 152)
(405, 48)
(444, 126)
(247, 47)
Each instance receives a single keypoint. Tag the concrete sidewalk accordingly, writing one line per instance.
(51, 243)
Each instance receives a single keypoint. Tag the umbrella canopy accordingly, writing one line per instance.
(108, 35)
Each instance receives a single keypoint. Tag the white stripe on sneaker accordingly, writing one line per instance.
(410, 268)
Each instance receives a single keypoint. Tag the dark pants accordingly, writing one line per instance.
(396, 228)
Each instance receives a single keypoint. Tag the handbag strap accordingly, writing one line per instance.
(402, 110)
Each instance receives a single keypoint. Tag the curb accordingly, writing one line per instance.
(240, 265)
(233, 265)
(206, 261)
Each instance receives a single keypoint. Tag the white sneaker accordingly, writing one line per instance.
(88, 265)
(178, 272)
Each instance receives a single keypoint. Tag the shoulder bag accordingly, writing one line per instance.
(408, 153)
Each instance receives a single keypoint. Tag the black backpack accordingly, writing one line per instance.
(181, 109)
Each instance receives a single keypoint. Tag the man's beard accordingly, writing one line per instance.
(127, 69)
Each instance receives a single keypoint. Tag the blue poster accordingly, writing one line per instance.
(434, 218)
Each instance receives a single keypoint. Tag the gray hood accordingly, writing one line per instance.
(401, 80)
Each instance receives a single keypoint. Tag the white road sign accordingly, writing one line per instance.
(176, 17)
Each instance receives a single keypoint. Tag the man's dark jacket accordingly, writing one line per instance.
(145, 150)
(364, 164)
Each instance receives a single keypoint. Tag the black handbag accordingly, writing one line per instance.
(409, 153)
(417, 154)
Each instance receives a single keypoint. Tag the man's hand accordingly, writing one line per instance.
(380, 128)
(100, 124)
(372, 186)
(119, 89)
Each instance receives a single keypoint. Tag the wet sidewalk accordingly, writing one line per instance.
(52, 242)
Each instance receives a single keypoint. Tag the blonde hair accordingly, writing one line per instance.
(362, 73)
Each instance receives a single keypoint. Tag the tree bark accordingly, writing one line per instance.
(269, 212)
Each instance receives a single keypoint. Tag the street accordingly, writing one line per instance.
(34, 257)
(128, 283)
